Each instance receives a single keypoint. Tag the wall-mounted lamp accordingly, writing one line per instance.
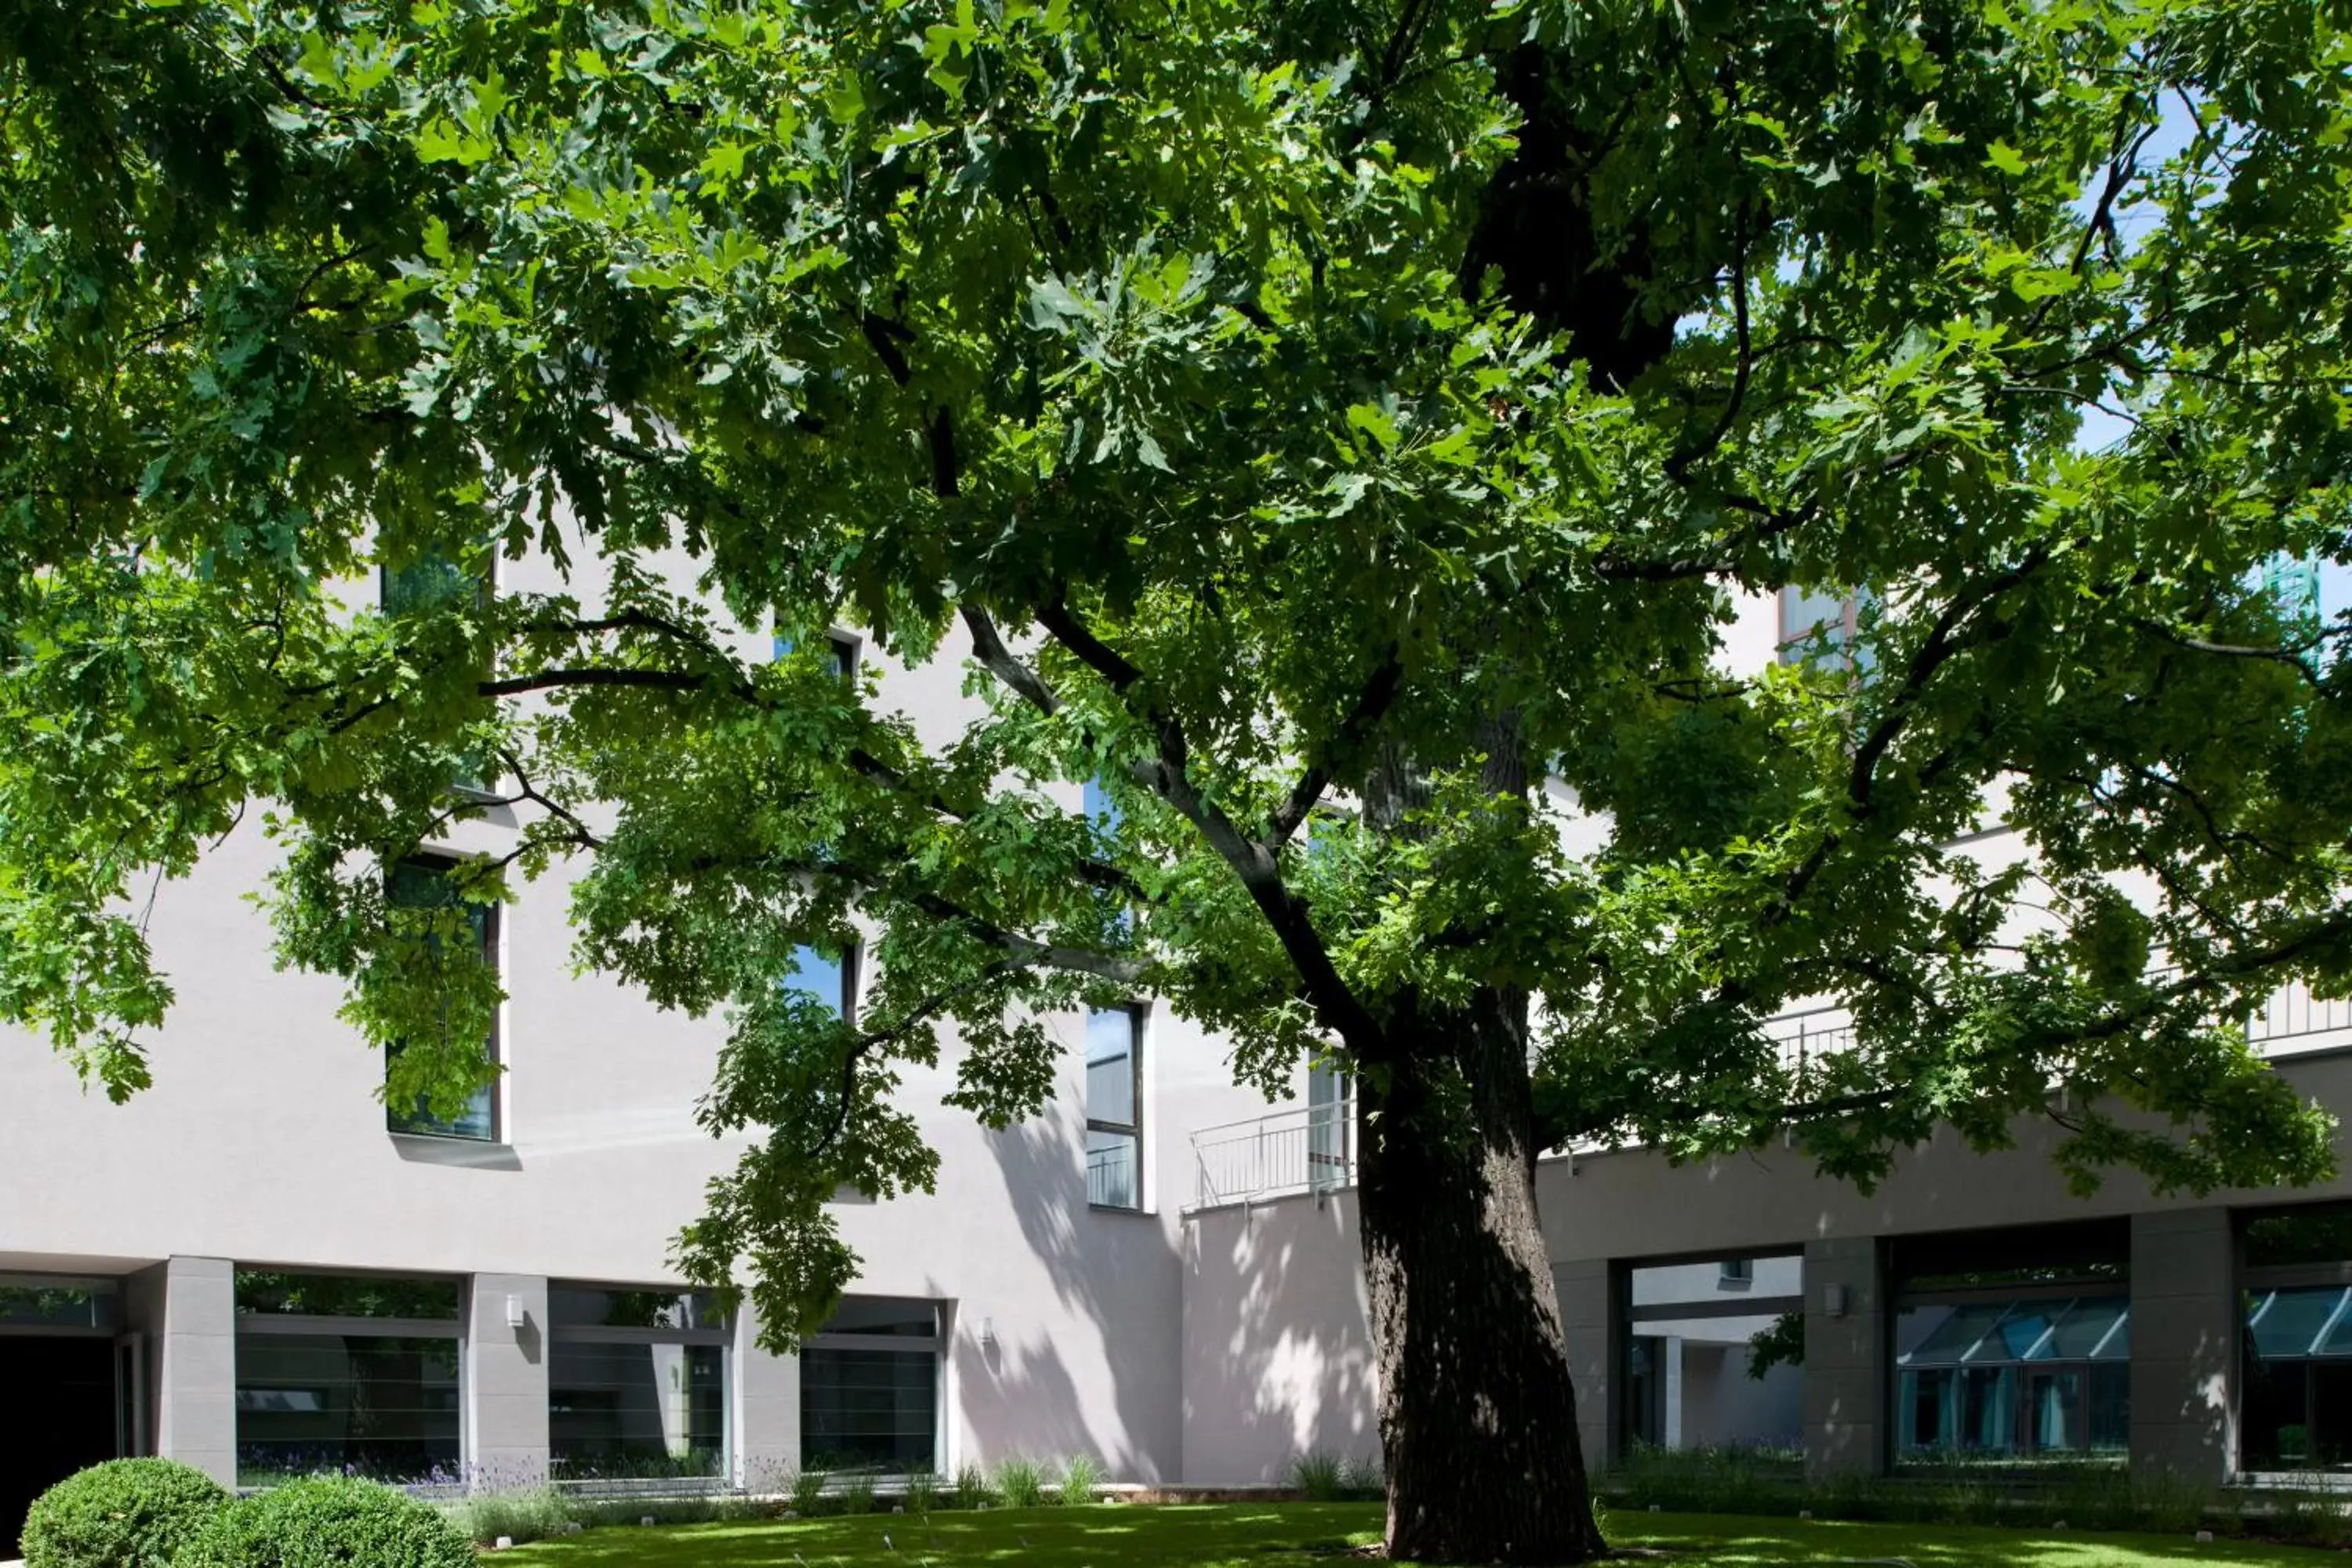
(514, 1312)
(1834, 1300)
(988, 1332)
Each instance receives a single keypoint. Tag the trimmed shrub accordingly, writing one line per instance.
(330, 1522)
(124, 1513)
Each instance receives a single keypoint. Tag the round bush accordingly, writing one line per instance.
(124, 1513)
(329, 1521)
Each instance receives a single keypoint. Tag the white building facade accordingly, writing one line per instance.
(255, 1266)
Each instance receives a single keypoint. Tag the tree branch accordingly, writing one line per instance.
(998, 661)
(1170, 777)
(1380, 694)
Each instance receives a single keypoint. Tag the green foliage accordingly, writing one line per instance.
(1018, 1483)
(124, 1513)
(329, 1521)
(1780, 1342)
(855, 1493)
(1288, 405)
(806, 1490)
(922, 1491)
(1080, 1482)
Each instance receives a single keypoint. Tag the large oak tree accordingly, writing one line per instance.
(1342, 430)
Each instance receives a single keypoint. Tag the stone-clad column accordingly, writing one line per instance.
(196, 1366)
(763, 1408)
(2184, 1345)
(505, 1381)
(1845, 1358)
(1591, 1311)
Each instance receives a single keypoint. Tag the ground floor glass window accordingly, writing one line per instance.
(636, 1383)
(2015, 1378)
(870, 1388)
(2298, 1379)
(351, 1373)
(385, 1406)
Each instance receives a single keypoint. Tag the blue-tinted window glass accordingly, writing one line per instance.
(1114, 1119)
(841, 654)
(826, 979)
(1100, 809)
(1110, 1066)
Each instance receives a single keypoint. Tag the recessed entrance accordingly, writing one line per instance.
(57, 1414)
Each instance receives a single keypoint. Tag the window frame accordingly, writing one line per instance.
(720, 1338)
(934, 1345)
(493, 952)
(1134, 1012)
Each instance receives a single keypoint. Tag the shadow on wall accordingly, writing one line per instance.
(1277, 1341)
(1109, 1389)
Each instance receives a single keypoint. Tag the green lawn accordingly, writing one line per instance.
(1304, 1535)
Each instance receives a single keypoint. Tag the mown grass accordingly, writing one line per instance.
(1310, 1535)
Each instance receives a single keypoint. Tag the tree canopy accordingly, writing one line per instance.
(1342, 431)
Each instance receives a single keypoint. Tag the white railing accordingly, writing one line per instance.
(1310, 1149)
(2295, 1020)
(1306, 1149)
(1806, 1037)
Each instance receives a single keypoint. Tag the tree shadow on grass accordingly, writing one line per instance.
(1107, 1535)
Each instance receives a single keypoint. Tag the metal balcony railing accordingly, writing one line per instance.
(1306, 1149)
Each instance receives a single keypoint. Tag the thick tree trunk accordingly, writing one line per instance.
(1477, 1419)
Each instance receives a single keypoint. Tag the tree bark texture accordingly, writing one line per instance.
(1477, 1419)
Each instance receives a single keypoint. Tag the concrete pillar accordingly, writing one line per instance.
(1591, 1313)
(2184, 1345)
(195, 1353)
(1845, 1358)
(763, 1408)
(1672, 1376)
(505, 1381)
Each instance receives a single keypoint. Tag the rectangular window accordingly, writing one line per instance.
(840, 652)
(421, 588)
(870, 1388)
(1330, 1129)
(1737, 1271)
(824, 979)
(1115, 1107)
(636, 1383)
(1836, 616)
(424, 884)
(1987, 1375)
(349, 1375)
(50, 1302)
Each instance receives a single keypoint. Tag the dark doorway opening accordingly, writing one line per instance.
(57, 1416)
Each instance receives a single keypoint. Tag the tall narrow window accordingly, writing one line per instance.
(1115, 1108)
(421, 588)
(824, 978)
(1100, 809)
(1329, 1123)
(425, 884)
